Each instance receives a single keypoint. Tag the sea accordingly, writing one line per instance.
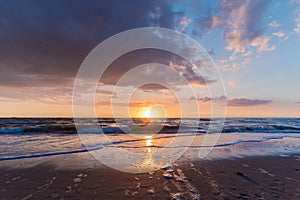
(22, 138)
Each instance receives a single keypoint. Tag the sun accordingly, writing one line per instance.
(155, 111)
(148, 113)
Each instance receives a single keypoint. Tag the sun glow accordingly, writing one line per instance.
(147, 113)
(156, 111)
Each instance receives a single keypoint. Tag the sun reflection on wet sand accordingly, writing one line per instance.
(152, 160)
(148, 139)
(149, 161)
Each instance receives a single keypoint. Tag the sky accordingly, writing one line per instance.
(253, 43)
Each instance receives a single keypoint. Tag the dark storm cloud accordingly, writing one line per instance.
(247, 102)
(135, 58)
(49, 39)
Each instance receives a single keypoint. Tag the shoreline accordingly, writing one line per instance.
(259, 177)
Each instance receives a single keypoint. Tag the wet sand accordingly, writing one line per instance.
(269, 177)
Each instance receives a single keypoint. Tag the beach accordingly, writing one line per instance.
(264, 177)
(250, 159)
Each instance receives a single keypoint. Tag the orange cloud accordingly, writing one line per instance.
(232, 83)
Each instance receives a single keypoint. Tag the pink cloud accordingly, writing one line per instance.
(184, 22)
(242, 25)
(216, 22)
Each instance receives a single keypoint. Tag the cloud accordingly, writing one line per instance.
(297, 21)
(43, 44)
(211, 52)
(48, 95)
(274, 24)
(247, 102)
(216, 22)
(140, 104)
(297, 28)
(190, 73)
(243, 24)
(49, 40)
(184, 22)
(248, 53)
(233, 102)
(209, 99)
(158, 89)
(296, 4)
(262, 44)
(279, 34)
(232, 83)
(240, 20)
(183, 72)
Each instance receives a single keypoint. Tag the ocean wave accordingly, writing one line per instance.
(122, 144)
(260, 129)
(110, 126)
(35, 155)
(10, 130)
